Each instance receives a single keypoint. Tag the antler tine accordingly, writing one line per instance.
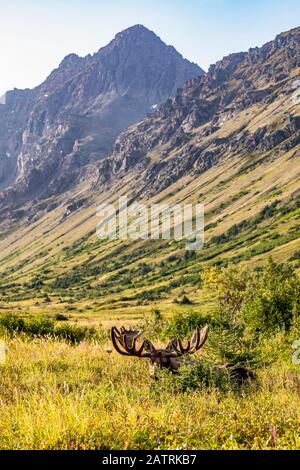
(128, 336)
(198, 339)
(116, 329)
(115, 337)
(184, 350)
(175, 348)
(122, 346)
(202, 336)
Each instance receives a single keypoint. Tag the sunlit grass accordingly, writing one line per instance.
(57, 396)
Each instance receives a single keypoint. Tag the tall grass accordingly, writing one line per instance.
(60, 390)
(57, 396)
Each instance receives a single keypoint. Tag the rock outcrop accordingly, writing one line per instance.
(48, 134)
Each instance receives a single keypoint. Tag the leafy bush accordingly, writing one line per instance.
(11, 323)
(45, 327)
(185, 301)
(60, 317)
(227, 343)
(184, 322)
(229, 287)
(157, 315)
(74, 334)
(276, 300)
(203, 374)
(39, 326)
(261, 301)
(154, 325)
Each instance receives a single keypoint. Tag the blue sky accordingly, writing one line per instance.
(35, 35)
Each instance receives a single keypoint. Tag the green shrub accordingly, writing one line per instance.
(74, 334)
(261, 301)
(229, 287)
(276, 300)
(39, 326)
(45, 327)
(157, 315)
(227, 343)
(154, 325)
(11, 324)
(35, 327)
(185, 301)
(60, 317)
(184, 322)
(203, 374)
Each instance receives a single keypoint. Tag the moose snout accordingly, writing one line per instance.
(153, 371)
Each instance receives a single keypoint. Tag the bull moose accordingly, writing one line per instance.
(173, 356)
(124, 342)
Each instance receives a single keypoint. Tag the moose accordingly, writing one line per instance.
(171, 357)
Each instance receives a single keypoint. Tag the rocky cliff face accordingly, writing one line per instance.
(242, 108)
(49, 133)
(229, 140)
(186, 132)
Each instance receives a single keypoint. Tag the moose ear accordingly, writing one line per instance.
(148, 346)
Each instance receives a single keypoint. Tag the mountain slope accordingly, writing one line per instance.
(230, 140)
(186, 134)
(48, 134)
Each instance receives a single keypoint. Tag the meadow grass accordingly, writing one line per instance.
(57, 396)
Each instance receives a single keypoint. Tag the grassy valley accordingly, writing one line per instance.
(230, 140)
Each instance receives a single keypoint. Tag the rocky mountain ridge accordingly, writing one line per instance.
(184, 132)
(72, 119)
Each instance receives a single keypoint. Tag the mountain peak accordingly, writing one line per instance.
(70, 58)
(136, 34)
(135, 30)
(75, 116)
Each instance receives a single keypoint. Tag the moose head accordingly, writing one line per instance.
(170, 357)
